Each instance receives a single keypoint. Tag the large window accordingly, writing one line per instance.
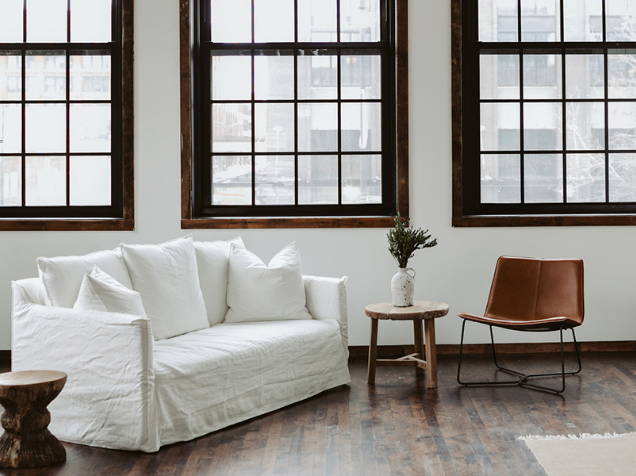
(549, 130)
(294, 108)
(65, 139)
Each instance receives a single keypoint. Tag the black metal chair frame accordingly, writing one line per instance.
(522, 379)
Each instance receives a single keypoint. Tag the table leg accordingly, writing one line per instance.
(431, 354)
(373, 351)
(418, 340)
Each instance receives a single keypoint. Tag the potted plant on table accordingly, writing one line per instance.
(404, 241)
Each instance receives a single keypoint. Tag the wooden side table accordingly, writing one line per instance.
(426, 311)
(26, 442)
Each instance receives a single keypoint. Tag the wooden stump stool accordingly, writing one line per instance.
(26, 442)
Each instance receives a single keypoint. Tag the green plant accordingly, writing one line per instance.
(404, 241)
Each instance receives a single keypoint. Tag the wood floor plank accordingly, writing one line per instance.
(396, 427)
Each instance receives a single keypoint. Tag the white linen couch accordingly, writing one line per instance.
(128, 391)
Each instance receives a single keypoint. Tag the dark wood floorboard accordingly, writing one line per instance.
(395, 428)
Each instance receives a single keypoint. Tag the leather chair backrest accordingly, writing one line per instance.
(530, 289)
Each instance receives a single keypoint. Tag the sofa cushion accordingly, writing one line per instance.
(167, 278)
(260, 292)
(216, 377)
(213, 262)
(62, 276)
(101, 292)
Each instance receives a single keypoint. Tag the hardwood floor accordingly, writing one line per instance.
(395, 428)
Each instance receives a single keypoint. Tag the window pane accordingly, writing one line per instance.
(500, 178)
(275, 180)
(622, 177)
(361, 179)
(232, 180)
(542, 77)
(231, 77)
(543, 126)
(586, 178)
(583, 20)
(90, 77)
(274, 127)
(499, 76)
(90, 128)
(540, 20)
(317, 179)
(45, 181)
(359, 20)
(10, 181)
(318, 127)
(500, 126)
(318, 77)
(622, 125)
(543, 178)
(498, 20)
(45, 128)
(273, 21)
(621, 20)
(11, 14)
(231, 128)
(585, 76)
(361, 126)
(10, 128)
(231, 21)
(45, 75)
(361, 77)
(91, 21)
(10, 76)
(90, 181)
(585, 126)
(274, 77)
(46, 21)
(317, 20)
(621, 73)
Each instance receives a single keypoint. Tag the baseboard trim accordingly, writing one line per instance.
(5, 357)
(392, 351)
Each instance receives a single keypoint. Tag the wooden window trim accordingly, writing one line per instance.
(127, 220)
(460, 217)
(190, 221)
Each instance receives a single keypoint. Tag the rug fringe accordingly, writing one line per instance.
(582, 436)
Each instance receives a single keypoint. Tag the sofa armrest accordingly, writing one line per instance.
(108, 359)
(327, 299)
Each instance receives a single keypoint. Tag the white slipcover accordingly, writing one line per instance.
(126, 391)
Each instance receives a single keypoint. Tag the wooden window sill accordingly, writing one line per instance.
(288, 222)
(543, 220)
(66, 224)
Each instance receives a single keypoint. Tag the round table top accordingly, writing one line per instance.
(419, 310)
(30, 377)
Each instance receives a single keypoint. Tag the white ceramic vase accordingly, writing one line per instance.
(402, 287)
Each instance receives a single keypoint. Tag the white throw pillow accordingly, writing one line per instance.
(259, 292)
(167, 278)
(101, 292)
(213, 262)
(62, 276)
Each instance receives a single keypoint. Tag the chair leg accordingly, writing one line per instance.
(522, 379)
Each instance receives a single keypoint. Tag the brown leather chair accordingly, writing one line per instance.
(532, 295)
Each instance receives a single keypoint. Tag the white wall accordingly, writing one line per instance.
(457, 271)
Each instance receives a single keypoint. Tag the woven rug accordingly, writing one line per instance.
(585, 455)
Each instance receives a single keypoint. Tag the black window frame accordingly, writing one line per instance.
(119, 215)
(467, 207)
(198, 207)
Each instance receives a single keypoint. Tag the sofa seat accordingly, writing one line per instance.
(216, 377)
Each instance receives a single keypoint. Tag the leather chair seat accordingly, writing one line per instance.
(546, 323)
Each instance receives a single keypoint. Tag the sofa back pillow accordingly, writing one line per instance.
(101, 292)
(213, 262)
(260, 292)
(167, 278)
(62, 276)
